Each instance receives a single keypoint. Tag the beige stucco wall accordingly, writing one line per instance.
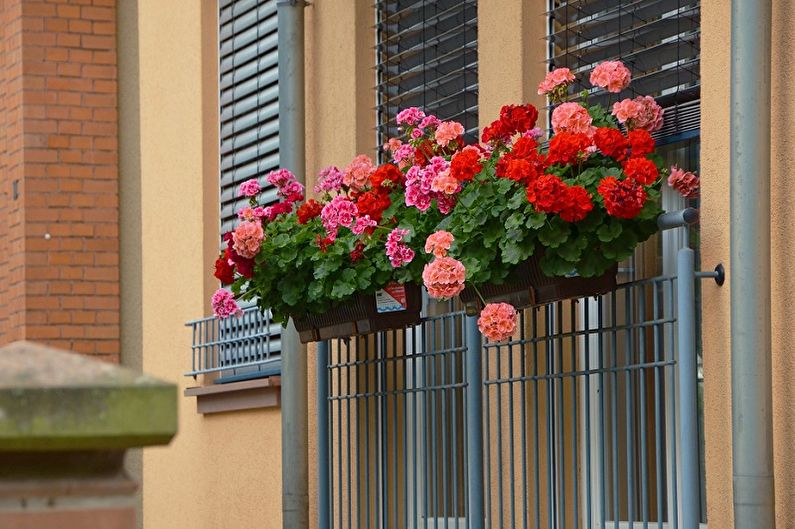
(222, 470)
(715, 57)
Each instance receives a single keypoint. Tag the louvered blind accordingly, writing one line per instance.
(249, 135)
(427, 57)
(249, 98)
(659, 40)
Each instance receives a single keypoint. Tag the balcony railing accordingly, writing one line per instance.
(236, 349)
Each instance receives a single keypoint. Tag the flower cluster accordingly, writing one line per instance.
(685, 182)
(579, 202)
(444, 276)
(613, 76)
(514, 119)
(398, 252)
(497, 321)
(556, 83)
(224, 304)
(643, 112)
(287, 186)
(340, 212)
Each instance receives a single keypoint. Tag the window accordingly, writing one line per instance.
(248, 73)
(248, 76)
(659, 40)
(427, 57)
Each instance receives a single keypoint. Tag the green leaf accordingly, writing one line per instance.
(609, 231)
(554, 233)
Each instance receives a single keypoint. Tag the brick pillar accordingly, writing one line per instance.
(59, 247)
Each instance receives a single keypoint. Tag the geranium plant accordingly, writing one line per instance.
(450, 215)
(362, 232)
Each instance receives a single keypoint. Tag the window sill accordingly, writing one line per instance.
(234, 396)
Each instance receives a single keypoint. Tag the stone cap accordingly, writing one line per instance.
(56, 400)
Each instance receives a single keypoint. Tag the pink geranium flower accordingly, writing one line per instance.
(339, 212)
(556, 80)
(357, 174)
(247, 238)
(249, 188)
(613, 76)
(410, 116)
(224, 304)
(398, 252)
(444, 277)
(444, 183)
(685, 182)
(447, 131)
(626, 110)
(438, 243)
(330, 179)
(497, 321)
(571, 117)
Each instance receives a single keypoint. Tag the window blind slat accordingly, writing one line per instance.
(659, 40)
(426, 57)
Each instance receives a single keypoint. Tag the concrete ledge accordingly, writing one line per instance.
(245, 395)
(52, 400)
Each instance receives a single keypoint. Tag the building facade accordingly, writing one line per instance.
(126, 126)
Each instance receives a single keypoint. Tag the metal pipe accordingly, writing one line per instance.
(752, 420)
(688, 387)
(323, 496)
(677, 219)
(474, 431)
(295, 409)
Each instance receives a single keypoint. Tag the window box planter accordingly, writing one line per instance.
(528, 286)
(364, 314)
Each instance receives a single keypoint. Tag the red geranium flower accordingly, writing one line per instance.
(323, 242)
(513, 119)
(466, 164)
(525, 147)
(516, 169)
(641, 142)
(611, 143)
(373, 203)
(623, 198)
(642, 170)
(309, 211)
(387, 176)
(576, 204)
(224, 272)
(520, 118)
(547, 193)
(244, 265)
(565, 148)
(358, 252)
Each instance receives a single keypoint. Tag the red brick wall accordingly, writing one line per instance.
(59, 240)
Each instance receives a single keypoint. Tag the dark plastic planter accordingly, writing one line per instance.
(360, 316)
(528, 286)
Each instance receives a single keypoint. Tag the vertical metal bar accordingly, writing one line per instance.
(536, 436)
(474, 402)
(629, 391)
(688, 388)
(644, 490)
(658, 429)
(323, 496)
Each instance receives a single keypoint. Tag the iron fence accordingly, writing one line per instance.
(572, 423)
(237, 348)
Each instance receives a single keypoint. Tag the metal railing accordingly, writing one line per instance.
(587, 417)
(248, 346)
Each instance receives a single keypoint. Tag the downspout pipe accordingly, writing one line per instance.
(752, 418)
(292, 156)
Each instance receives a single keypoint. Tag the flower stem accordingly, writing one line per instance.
(482, 300)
